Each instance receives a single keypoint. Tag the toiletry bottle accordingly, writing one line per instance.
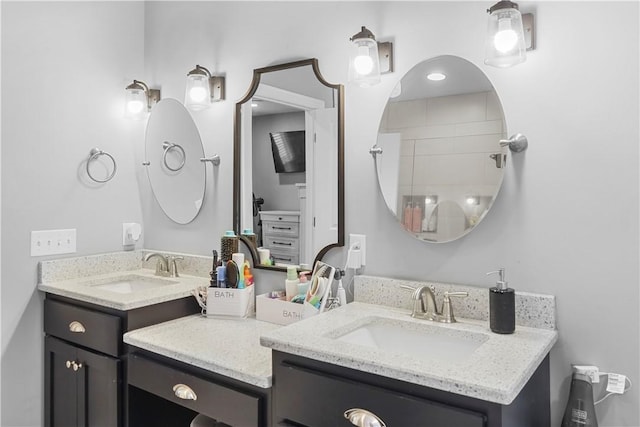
(221, 272)
(502, 306)
(580, 410)
(416, 219)
(228, 245)
(291, 284)
(303, 285)
(246, 273)
(408, 212)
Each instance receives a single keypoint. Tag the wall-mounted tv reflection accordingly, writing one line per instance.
(288, 150)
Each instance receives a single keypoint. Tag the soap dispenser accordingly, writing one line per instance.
(502, 306)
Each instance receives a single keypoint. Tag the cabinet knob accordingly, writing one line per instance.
(363, 418)
(68, 364)
(76, 327)
(76, 366)
(184, 392)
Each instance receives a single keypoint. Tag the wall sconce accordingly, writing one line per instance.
(509, 35)
(202, 89)
(368, 58)
(139, 99)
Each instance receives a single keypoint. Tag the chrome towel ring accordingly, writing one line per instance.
(168, 146)
(93, 155)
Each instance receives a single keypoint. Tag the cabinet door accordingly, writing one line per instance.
(60, 384)
(316, 399)
(98, 390)
(87, 396)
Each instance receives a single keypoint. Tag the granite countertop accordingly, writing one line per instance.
(85, 289)
(80, 278)
(496, 371)
(229, 347)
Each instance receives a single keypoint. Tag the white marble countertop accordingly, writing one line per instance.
(496, 371)
(85, 289)
(229, 347)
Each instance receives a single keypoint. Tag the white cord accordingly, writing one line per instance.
(610, 393)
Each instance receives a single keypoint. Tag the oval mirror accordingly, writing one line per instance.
(441, 164)
(289, 165)
(173, 150)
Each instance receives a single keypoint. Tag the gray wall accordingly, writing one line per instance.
(565, 222)
(64, 70)
(278, 190)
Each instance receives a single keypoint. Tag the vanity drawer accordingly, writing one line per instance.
(304, 396)
(282, 244)
(279, 217)
(281, 228)
(284, 258)
(198, 394)
(85, 327)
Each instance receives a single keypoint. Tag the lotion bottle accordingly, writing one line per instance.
(502, 306)
(291, 284)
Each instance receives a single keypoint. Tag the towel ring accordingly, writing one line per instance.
(93, 155)
(168, 146)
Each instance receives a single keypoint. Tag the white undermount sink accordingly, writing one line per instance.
(425, 340)
(131, 283)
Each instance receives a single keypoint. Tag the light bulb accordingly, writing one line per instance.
(506, 38)
(363, 62)
(198, 94)
(135, 106)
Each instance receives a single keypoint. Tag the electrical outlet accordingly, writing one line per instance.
(53, 242)
(361, 240)
(591, 371)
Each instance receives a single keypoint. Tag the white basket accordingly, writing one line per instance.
(230, 302)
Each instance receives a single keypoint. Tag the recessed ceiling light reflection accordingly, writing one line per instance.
(254, 104)
(436, 77)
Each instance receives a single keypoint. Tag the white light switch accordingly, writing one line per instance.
(53, 242)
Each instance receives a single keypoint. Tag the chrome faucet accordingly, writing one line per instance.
(173, 266)
(424, 304)
(162, 265)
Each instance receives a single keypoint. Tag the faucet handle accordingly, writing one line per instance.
(173, 266)
(447, 309)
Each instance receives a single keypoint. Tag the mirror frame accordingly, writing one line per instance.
(237, 152)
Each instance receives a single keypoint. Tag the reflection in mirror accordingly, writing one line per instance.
(288, 165)
(441, 165)
(173, 150)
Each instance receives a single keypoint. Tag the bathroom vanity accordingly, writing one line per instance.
(85, 358)
(90, 302)
(312, 393)
(124, 348)
(372, 360)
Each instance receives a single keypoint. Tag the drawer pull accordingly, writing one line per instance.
(77, 327)
(363, 418)
(184, 392)
(282, 243)
(72, 364)
(281, 228)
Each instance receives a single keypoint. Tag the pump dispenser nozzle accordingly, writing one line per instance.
(502, 306)
(500, 283)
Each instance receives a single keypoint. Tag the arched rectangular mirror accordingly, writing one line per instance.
(289, 165)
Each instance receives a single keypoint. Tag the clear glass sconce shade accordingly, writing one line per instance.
(198, 93)
(505, 45)
(364, 62)
(136, 104)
